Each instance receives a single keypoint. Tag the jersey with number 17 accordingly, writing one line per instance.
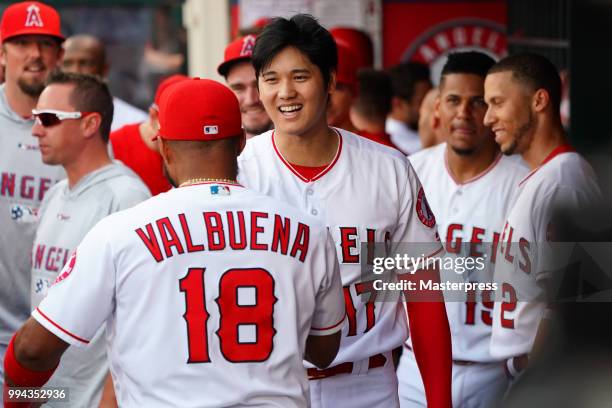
(369, 193)
(208, 293)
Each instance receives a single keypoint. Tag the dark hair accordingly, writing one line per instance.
(404, 77)
(534, 71)
(374, 94)
(303, 32)
(90, 94)
(470, 62)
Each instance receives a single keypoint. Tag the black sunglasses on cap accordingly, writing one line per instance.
(52, 117)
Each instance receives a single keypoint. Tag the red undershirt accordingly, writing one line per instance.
(308, 172)
(382, 138)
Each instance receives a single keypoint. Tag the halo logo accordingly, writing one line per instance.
(33, 18)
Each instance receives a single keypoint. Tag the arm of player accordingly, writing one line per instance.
(31, 358)
(321, 350)
(323, 342)
(431, 338)
(109, 399)
(78, 303)
(416, 236)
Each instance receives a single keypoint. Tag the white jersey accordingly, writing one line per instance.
(66, 215)
(208, 293)
(406, 139)
(24, 180)
(125, 114)
(470, 217)
(564, 179)
(369, 193)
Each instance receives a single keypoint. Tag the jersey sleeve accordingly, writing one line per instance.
(329, 311)
(82, 297)
(553, 256)
(416, 234)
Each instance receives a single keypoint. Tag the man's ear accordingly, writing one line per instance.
(242, 143)
(165, 151)
(540, 100)
(60, 54)
(332, 82)
(91, 124)
(3, 55)
(436, 107)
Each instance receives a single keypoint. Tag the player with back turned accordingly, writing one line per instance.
(470, 186)
(364, 192)
(201, 288)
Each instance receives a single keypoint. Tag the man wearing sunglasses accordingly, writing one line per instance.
(73, 120)
(31, 38)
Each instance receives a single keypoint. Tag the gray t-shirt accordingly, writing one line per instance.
(24, 180)
(65, 217)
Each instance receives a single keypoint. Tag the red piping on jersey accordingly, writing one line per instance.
(484, 173)
(564, 148)
(214, 182)
(330, 327)
(61, 328)
(322, 173)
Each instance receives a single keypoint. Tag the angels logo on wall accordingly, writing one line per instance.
(433, 46)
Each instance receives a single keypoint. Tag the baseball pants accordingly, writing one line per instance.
(477, 385)
(364, 388)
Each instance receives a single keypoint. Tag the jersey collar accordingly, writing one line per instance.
(476, 177)
(320, 174)
(564, 148)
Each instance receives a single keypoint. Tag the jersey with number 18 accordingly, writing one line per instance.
(208, 293)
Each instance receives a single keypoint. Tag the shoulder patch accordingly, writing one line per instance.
(67, 269)
(423, 211)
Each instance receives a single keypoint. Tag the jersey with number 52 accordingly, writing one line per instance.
(208, 293)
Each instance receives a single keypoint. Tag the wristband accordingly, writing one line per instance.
(20, 375)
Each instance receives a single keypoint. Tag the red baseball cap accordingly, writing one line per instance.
(199, 109)
(241, 49)
(359, 42)
(163, 85)
(30, 17)
(346, 73)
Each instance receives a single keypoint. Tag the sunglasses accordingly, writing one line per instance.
(51, 117)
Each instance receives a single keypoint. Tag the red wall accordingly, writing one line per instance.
(406, 23)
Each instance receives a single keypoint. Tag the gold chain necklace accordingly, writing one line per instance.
(193, 181)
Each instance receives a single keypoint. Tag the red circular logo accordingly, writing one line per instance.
(434, 45)
(423, 211)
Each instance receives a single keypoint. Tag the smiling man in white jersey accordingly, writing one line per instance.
(31, 37)
(201, 289)
(470, 186)
(364, 192)
(523, 93)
